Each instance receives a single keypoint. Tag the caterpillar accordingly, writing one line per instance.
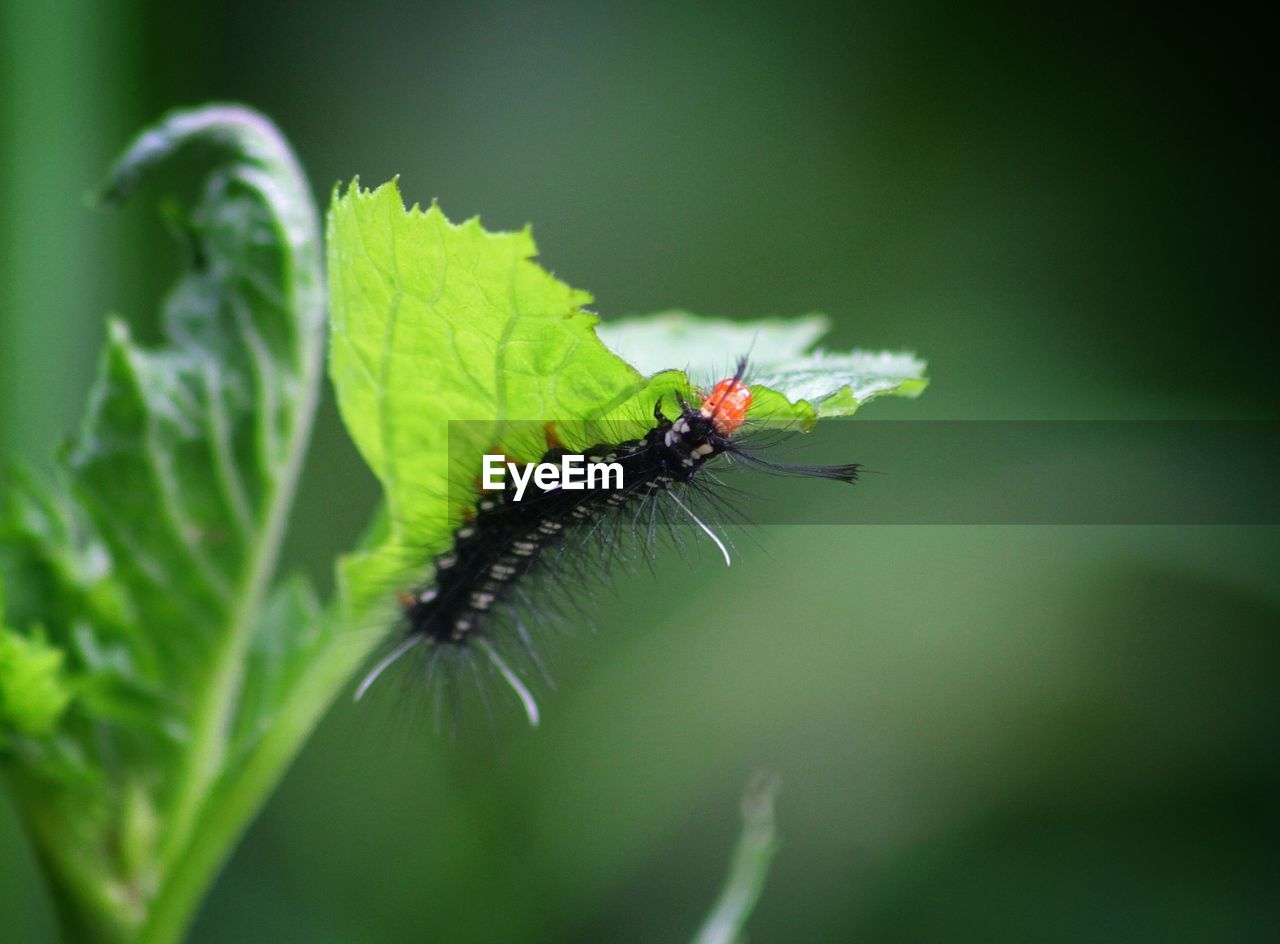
(495, 548)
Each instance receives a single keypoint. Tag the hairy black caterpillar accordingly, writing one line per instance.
(502, 542)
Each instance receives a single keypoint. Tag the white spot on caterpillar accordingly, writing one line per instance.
(426, 596)
(446, 562)
(704, 450)
(464, 533)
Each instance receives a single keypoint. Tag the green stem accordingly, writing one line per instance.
(749, 868)
(237, 800)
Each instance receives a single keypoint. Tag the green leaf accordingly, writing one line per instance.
(433, 322)
(810, 383)
(150, 555)
(707, 348)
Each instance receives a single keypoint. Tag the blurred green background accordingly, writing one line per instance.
(984, 734)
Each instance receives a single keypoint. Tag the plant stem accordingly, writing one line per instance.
(229, 810)
(749, 867)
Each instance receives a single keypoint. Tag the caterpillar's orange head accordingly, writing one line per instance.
(727, 405)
